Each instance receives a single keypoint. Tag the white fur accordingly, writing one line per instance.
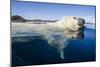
(63, 27)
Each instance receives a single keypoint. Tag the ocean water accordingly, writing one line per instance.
(36, 51)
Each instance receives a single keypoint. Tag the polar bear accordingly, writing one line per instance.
(57, 34)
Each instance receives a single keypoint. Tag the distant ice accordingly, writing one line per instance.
(90, 25)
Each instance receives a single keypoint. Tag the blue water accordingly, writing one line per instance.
(37, 51)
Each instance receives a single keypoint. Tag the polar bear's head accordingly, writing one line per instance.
(72, 23)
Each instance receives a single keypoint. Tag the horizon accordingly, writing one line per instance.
(52, 11)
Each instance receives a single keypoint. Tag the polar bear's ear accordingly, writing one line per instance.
(64, 16)
(64, 19)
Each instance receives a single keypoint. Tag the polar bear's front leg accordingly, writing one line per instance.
(61, 52)
(61, 49)
(59, 43)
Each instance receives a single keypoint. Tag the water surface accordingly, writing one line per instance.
(36, 51)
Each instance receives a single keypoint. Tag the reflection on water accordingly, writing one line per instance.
(30, 50)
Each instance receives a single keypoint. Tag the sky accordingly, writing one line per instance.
(51, 11)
